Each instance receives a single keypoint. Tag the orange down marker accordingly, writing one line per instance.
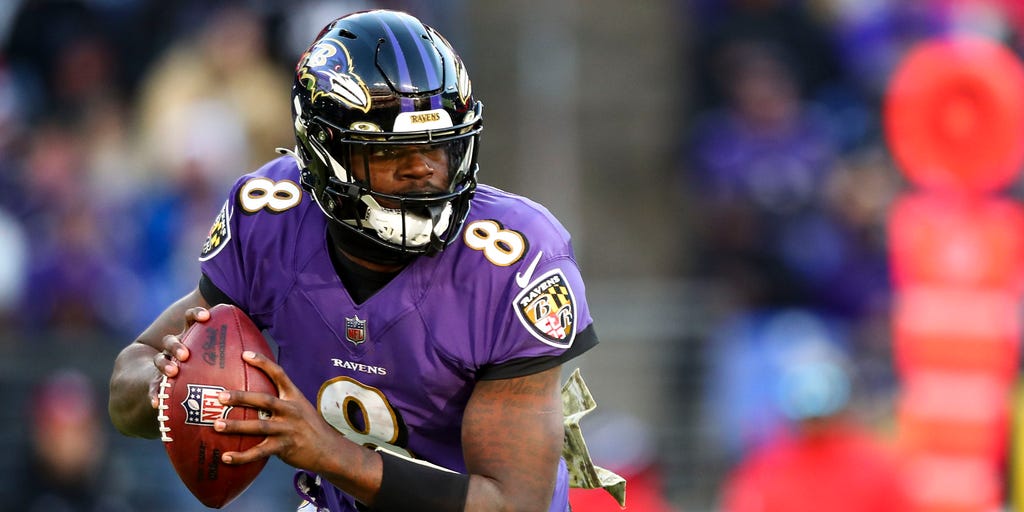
(954, 121)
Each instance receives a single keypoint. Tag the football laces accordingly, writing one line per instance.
(161, 410)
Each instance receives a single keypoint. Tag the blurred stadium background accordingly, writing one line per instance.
(721, 164)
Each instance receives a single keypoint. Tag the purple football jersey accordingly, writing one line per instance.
(397, 370)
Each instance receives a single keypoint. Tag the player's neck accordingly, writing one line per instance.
(369, 265)
(361, 280)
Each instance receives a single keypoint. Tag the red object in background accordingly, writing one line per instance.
(842, 469)
(643, 494)
(954, 115)
(954, 120)
(955, 413)
(942, 483)
(957, 241)
(954, 328)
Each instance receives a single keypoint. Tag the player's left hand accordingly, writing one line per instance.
(296, 432)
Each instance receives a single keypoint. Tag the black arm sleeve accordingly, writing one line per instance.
(585, 340)
(211, 293)
(409, 486)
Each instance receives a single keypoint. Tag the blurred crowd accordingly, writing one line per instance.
(122, 123)
(785, 160)
(786, 163)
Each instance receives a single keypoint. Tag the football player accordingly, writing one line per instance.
(422, 318)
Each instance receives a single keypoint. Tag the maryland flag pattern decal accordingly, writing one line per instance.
(219, 234)
(548, 309)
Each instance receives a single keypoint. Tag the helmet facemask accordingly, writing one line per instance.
(416, 222)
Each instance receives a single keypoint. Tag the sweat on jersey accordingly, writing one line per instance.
(504, 300)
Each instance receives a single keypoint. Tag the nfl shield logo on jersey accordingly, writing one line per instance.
(355, 330)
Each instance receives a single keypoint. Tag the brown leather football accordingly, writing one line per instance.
(188, 405)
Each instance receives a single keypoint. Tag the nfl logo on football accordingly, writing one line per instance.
(355, 330)
(202, 407)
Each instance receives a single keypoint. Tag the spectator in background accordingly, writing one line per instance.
(175, 210)
(769, 166)
(42, 58)
(859, 191)
(793, 26)
(825, 460)
(747, 355)
(758, 165)
(210, 105)
(69, 468)
(72, 270)
(73, 282)
(225, 67)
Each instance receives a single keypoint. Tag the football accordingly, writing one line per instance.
(188, 405)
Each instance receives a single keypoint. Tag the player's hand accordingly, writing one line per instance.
(170, 350)
(295, 430)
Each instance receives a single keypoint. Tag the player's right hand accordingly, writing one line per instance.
(171, 350)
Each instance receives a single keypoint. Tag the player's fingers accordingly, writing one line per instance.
(154, 393)
(171, 345)
(254, 399)
(258, 452)
(165, 364)
(197, 314)
(262, 427)
(285, 387)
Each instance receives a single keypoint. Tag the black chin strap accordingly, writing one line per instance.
(357, 245)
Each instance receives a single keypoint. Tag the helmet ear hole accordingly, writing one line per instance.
(320, 133)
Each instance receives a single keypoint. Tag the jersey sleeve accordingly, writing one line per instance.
(529, 296)
(547, 323)
(251, 248)
(221, 259)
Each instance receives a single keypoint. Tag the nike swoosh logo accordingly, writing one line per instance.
(523, 279)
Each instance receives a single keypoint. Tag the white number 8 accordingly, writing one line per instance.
(277, 196)
(502, 247)
(339, 401)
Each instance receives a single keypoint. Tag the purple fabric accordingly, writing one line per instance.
(427, 333)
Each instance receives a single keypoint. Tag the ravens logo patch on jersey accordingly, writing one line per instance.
(548, 309)
(219, 234)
